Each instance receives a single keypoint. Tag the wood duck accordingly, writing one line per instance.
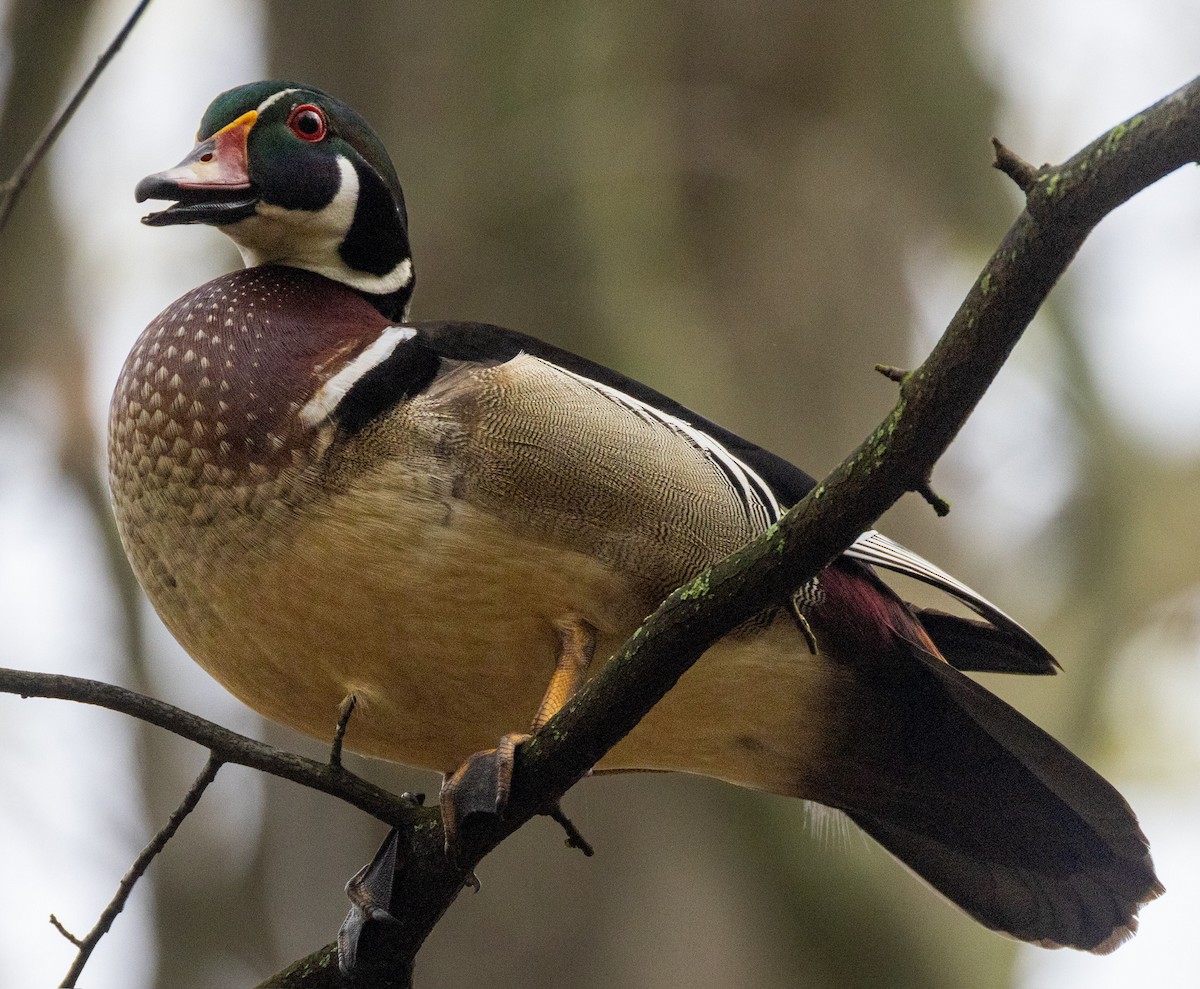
(449, 521)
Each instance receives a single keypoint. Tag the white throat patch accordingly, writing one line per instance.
(309, 239)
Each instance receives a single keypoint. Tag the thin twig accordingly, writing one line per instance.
(58, 926)
(1014, 166)
(896, 374)
(339, 731)
(14, 185)
(940, 505)
(574, 838)
(88, 943)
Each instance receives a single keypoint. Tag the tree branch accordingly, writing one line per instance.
(1014, 166)
(12, 187)
(225, 745)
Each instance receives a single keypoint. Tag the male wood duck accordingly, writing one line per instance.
(448, 521)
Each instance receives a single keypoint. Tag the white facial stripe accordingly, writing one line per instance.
(273, 97)
(754, 491)
(327, 398)
(330, 263)
(310, 238)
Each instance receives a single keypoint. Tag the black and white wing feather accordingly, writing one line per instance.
(766, 486)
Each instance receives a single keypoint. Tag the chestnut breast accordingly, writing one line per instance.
(208, 461)
(211, 390)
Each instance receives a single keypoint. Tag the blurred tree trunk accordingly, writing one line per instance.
(1129, 535)
(40, 340)
(36, 331)
(39, 336)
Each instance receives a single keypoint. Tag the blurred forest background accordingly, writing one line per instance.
(746, 205)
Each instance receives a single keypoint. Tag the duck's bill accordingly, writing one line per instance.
(211, 185)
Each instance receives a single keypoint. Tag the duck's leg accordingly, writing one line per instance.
(482, 784)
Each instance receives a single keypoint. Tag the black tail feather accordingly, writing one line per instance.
(981, 647)
(985, 806)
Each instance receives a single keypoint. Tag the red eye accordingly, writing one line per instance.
(307, 122)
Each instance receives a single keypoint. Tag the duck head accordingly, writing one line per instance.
(295, 177)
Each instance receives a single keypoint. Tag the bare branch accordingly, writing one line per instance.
(226, 745)
(574, 838)
(88, 943)
(892, 373)
(939, 504)
(339, 731)
(12, 187)
(58, 926)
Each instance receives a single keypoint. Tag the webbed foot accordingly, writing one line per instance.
(370, 893)
(481, 785)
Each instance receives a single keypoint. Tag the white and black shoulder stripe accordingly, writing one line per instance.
(878, 550)
(392, 368)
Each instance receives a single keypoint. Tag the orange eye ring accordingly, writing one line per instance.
(307, 122)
